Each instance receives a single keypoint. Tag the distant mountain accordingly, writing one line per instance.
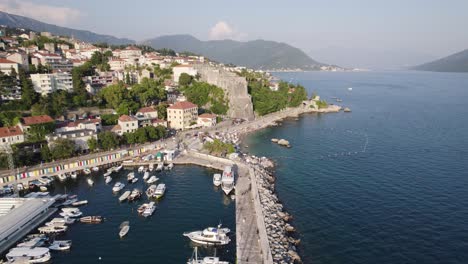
(457, 62)
(257, 54)
(11, 20)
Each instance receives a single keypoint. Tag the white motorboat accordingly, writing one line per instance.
(206, 260)
(62, 177)
(87, 171)
(150, 191)
(160, 190)
(135, 180)
(227, 180)
(169, 167)
(210, 236)
(135, 195)
(70, 209)
(217, 179)
(37, 240)
(74, 175)
(118, 186)
(90, 182)
(124, 228)
(52, 229)
(108, 173)
(141, 169)
(146, 175)
(60, 221)
(20, 187)
(160, 167)
(142, 208)
(151, 167)
(118, 168)
(95, 219)
(95, 169)
(79, 203)
(46, 180)
(152, 179)
(61, 245)
(149, 210)
(71, 212)
(124, 196)
(108, 179)
(28, 255)
(43, 189)
(130, 176)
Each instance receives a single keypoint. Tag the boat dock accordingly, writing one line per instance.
(252, 244)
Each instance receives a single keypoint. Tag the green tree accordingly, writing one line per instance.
(46, 155)
(28, 94)
(185, 79)
(108, 140)
(93, 144)
(162, 110)
(62, 148)
(148, 91)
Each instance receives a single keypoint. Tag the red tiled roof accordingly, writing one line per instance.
(156, 120)
(33, 120)
(116, 128)
(2, 60)
(147, 109)
(182, 105)
(206, 115)
(126, 118)
(10, 131)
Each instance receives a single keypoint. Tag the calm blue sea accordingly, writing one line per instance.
(387, 183)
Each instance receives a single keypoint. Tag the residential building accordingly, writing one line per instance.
(64, 47)
(20, 58)
(130, 52)
(27, 122)
(10, 135)
(117, 64)
(148, 112)
(179, 69)
(80, 124)
(46, 34)
(182, 115)
(45, 83)
(206, 120)
(45, 58)
(127, 124)
(79, 137)
(50, 47)
(7, 65)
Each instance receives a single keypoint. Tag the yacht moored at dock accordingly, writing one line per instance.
(60, 245)
(149, 210)
(160, 191)
(227, 180)
(210, 236)
(28, 255)
(217, 179)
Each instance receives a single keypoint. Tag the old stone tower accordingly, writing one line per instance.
(235, 90)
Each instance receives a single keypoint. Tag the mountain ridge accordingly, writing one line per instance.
(18, 21)
(258, 54)
(457, 62)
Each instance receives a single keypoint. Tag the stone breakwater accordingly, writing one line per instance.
(278, 229)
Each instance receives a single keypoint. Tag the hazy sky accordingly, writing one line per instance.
(423, 29)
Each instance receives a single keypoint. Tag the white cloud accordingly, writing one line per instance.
(46, 13)
(222, 30)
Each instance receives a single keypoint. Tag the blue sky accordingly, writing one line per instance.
(384, 31)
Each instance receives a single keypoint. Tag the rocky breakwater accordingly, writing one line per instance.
(279, 230)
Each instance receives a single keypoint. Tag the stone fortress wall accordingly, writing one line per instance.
(235, 90)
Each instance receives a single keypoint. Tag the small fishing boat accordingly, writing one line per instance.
(60, 221)
(124, 228)
(124, 196)
(52, 229)
(160, 190)
(206, 260)
(130, 176)
(118, 168)
(43, 189)
(169, 167)
(108, 173)
(19, 187)
(91, 219)
(134, 180)
(146, 175)
(30, 255)
(108, 179)
(217, 179)
(87, 171)
(118, 186)
(160, 167)
(62, 177)
(150, 191)
(60, 245)
(74, 175)
(149, 210)
(135, 195)
(95, 169)
(210, 236)
(151, 167)
(142, 208)
(90, 182)
(141, 169)
(152, 179)
(79, 203)
(71, 212)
